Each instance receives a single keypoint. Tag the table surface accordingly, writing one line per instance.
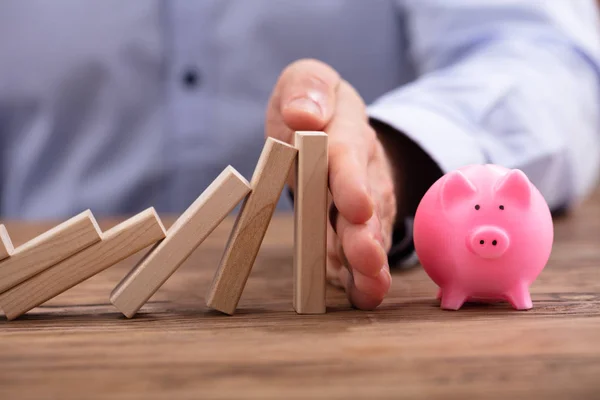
(78, 346)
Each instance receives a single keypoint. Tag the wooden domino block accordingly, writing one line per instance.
(6, 246)
(186, 234)
(48, 249)
(250, 226)
(310, 223)
(118, 243)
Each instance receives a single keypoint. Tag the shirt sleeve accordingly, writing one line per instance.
(509, 82)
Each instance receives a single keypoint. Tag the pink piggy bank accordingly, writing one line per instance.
(483, 233)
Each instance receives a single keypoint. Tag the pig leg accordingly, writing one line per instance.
(452, 298)
(520, 298)
(439, 294)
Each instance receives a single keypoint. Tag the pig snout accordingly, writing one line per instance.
(488, 241)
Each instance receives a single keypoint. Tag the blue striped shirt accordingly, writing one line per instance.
(117, 106)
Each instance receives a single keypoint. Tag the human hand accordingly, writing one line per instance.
(311, 96)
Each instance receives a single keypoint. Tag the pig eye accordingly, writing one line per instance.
(501, 207)
(477, 206)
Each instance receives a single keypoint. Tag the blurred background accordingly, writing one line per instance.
(120, 106)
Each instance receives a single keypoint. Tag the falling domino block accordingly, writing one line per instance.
(118, 243)
(310, 223)
(6, 246)
(48, 249)
(250, 226)
(186, 234)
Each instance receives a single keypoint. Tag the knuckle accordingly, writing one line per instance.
(389, 214)
(388, 196)
(390, 202)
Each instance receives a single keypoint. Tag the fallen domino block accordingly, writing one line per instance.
(250, 226)
(118, 243)
(183, 237)
(6, 246)
(48, 249)
(310, 223)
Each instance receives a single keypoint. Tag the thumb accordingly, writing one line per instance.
(303, 99)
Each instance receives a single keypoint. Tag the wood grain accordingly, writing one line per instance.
(118, 243)
(6, 246)
(49, 248)
(77, 346)
(251, 225)
(310, 223)
(184, 236)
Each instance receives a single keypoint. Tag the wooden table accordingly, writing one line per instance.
(77, 346)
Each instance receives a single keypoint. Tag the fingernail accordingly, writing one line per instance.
(386, 269)
(386, 277)
(378, 239)
(371, 285)
(307, 105)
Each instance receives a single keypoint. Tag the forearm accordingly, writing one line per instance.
(523, 100)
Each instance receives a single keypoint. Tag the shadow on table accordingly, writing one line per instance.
(166, 315)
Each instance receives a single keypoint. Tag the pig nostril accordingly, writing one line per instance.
(481, 242)
(494, 243)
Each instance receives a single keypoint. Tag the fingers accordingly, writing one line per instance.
(384, 195)
(303, 99)
(334, 264)
(365, 293)
(369, 278)
(351, 145)
(310, 95)
(357, 262)
(362, 246)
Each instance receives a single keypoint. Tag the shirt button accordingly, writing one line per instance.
(191, 77)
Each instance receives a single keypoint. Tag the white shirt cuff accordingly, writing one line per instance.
(447, 143)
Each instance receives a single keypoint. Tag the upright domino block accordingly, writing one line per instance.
(48, 249)
(186, 234)
(310, 223)
(251, 225)
(6, 246)
(118, 243)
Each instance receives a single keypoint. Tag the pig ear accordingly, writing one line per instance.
(456, 188)
(515, 185)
